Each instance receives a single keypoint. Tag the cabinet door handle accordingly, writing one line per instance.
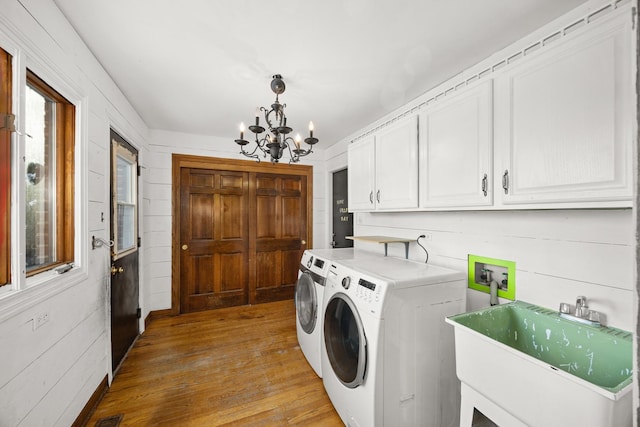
(505, 181)
(484, 185)
(378, 196)
(371, 196)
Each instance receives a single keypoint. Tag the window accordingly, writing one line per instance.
(49, 166)
(47, 214)
(125, 197)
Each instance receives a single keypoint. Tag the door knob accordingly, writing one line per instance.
(304, 242)
(115, 270)
(185, 247)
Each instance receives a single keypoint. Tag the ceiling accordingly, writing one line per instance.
(202, 66)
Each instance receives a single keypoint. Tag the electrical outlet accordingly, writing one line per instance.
(40, 320)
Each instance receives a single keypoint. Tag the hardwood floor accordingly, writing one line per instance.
(234, 366)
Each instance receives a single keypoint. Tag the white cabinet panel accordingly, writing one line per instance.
(563, 122)
(397, 165)
(383, 169)
(361, 174)
(456, 151)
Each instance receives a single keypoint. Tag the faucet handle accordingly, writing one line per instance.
(565, 308)
(594, 316)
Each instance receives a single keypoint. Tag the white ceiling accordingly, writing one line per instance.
(203, 66)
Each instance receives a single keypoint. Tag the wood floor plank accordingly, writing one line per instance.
(236, 366)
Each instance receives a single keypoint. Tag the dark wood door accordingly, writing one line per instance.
(239, 230)
(342, 219)
(124, 253)
(280, 223)
(214, 236)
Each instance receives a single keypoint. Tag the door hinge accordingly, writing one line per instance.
(138, 312)
(139, 241)
(139, 170)
(8, 122)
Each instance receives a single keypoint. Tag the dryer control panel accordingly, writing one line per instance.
(365, 291)
(370, 294)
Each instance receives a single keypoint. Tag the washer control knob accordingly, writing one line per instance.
(346, 282)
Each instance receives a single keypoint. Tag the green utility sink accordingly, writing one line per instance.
(526, 363)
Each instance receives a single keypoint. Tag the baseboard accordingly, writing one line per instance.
(91, 405)
(157, 314)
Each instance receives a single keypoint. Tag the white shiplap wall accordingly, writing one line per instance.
(157, 236)
(48, 374)
(559, 254)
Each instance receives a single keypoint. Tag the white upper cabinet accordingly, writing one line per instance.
(545, 124)
(361, 175)
(397, 165)
(564, 122)
(383, 169)
(456, 150)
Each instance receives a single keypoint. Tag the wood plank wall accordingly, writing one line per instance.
(559, 254)
(49, 373)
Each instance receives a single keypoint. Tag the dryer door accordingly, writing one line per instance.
(344, 339)
(306, 302)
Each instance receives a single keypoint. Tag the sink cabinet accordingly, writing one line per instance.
(383, 168)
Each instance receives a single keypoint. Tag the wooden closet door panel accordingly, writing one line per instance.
(266, 217)
(281, 233)
(214, 239)
(201, 216)
(231, 225)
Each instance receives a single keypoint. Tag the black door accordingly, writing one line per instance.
(124, 253)
(342, 219)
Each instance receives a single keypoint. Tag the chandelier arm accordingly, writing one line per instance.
(300, 152)
(250, 154)
(266, 116)
(294, 156)
(268, 120)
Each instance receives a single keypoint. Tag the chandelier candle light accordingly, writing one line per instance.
(276, 140)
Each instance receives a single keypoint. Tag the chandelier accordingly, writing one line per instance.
(277, 139)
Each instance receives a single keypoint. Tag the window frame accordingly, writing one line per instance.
(6, 93)
(23, 292)
(65, 168)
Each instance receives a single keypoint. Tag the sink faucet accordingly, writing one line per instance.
(582, 308)
(582, 312)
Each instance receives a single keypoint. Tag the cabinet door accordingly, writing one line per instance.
(397, 165)
(456, 150)
(361, 175)
(563, 121)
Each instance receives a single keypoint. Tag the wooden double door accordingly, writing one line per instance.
(242, 227)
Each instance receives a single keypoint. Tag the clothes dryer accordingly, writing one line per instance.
(387, 354)
(309, 293)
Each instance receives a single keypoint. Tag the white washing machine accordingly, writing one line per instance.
(387, 354)
(309, 292)
(308, 298)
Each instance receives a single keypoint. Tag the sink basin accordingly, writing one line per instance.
(521, 364)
